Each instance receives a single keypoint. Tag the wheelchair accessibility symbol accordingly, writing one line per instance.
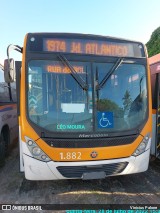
(105, 119)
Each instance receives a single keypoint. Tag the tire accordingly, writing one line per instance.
(2, 150)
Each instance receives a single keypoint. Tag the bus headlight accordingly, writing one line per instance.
(142, 146)
(36, 151)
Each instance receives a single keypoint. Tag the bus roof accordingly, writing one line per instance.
(82, 35)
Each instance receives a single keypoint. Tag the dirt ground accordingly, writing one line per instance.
(142, 188)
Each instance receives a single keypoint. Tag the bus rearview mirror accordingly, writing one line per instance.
(9, 70)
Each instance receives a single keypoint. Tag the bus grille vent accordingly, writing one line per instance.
(77, 171)
(87, 143)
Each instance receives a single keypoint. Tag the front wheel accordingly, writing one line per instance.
(2, 150)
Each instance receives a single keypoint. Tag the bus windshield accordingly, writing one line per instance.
(58, 103)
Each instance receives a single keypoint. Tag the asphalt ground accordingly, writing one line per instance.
(142, 188)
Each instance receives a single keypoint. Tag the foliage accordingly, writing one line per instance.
(104, 105)
(127, 100)
(153, 45)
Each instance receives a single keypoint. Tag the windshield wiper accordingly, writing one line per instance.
(75, 75)
(106, 77)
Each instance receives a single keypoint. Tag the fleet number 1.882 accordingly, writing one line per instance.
(70, 155)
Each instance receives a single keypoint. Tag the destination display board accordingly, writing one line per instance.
(83, 45)
(94, 47)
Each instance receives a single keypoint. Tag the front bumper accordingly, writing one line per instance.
(39, 170)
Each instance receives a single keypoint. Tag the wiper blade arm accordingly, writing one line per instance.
(115, 66)
(75, 75)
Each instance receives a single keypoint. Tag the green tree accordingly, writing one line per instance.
(153, 45)
(104, 105)
(127, 100)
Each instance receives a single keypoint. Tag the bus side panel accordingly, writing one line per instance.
(8, 117)
(8, 110)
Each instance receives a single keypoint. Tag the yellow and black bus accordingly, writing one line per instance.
(84, 106)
